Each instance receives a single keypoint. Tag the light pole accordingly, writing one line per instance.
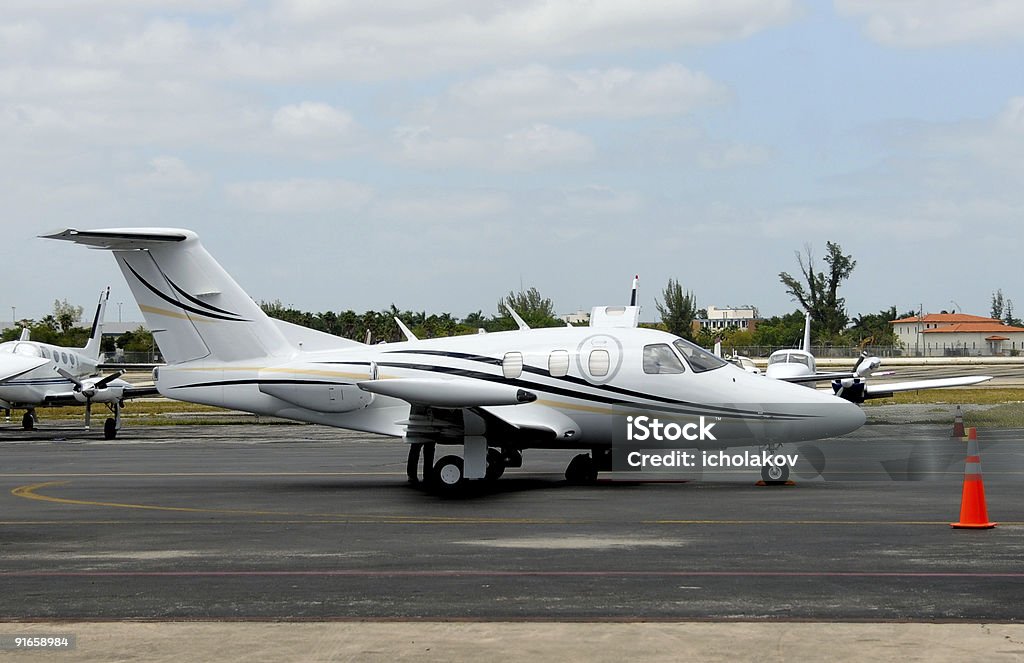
(119, 312)
(14, 316)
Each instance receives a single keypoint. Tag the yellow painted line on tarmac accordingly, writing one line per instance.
(30, 492)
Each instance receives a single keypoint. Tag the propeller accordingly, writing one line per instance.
(88, 391)
(865, 364)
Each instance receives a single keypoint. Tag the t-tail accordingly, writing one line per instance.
(92, 348)
(193, 307)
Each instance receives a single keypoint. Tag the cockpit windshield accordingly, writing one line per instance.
(27, 350)
(699, 359)
(789, 358)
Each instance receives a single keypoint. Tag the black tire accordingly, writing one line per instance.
(448, 476)
(495, 465)
(109, 429)
(775, 473)
(28, 422)
(581, 470)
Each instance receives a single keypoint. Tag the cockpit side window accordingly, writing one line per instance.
(659, 359)
(27, 350)
(698, 358)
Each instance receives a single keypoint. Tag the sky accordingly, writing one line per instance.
(436, 154)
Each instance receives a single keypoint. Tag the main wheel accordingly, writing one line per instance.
(28, 422)
(775, 473)
(495, 465)
(109, 429)
(581, 470)
(448, 474)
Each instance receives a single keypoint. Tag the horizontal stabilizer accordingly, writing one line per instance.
(447, 392)
(122, 239)
(11, 366)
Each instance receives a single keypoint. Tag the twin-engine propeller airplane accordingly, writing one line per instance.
(36, 375)
(799, 366)
(495, 395)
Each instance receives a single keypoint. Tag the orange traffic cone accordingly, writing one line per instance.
(958, 423)
(973, 512)
(972, 433)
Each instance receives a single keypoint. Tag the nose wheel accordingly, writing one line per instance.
(775, 474)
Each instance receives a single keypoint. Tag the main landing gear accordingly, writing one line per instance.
(447, 475)
(774, 475)
(583, 468)
(28, 422)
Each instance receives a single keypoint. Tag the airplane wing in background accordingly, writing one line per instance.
(858, 391)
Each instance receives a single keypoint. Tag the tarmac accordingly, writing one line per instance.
(300, 523)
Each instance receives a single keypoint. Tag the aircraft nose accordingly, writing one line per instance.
(843, 417)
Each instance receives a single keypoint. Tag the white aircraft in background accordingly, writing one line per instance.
(494, 395)
(799, 366)
(34, 374)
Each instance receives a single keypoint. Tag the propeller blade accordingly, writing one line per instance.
(101, 384)
(71, 378)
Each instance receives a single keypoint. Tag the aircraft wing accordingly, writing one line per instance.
(886, 390)
(118, 390)
(448, 392)
(858, 391)
(816, 377)
(11, 366)
(536, 417)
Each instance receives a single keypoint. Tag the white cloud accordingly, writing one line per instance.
(167, 173)
(299, 196)
(540, 92)
(937, 22)
(534, 147)
(452, 207)
(311, 120)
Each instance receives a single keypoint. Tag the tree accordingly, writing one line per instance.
(67, 315)
(536, 310)
(678, 310)
(998, 304)
(820, 295)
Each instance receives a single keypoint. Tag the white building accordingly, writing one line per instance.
(957, 334)
(742, 317)
(580, 318)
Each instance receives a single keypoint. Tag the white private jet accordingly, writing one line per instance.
(34, 374)
(799, 366)
(493, 394)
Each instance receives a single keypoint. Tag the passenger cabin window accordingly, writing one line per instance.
(699, 359)
(660, 359)
(63, 358)
(599, 362)
(512, 365)
(558, 363)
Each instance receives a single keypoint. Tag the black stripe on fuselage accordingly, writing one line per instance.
(690, 408)
(579, 382)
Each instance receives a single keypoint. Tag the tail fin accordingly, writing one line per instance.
(806, 347)
(92, 348)
(195, 309)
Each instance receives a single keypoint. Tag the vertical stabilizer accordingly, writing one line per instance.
(194, 308)
(92, 348)
(806, 347)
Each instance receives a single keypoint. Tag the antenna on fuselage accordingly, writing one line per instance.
(519, 320)
(409, 336)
